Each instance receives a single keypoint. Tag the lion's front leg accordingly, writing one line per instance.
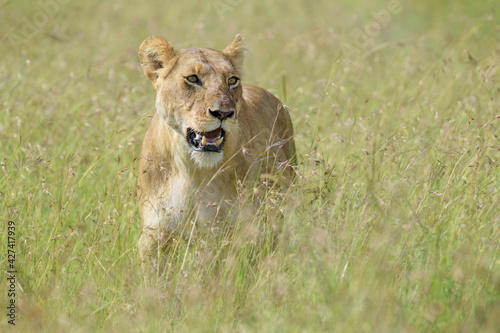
(147, 252)
(153, 250)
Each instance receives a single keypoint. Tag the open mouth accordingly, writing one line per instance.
(206, 141)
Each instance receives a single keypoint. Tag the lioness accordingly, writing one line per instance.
(209, 133)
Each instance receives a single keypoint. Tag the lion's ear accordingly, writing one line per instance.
(236, 52)
(154, 53)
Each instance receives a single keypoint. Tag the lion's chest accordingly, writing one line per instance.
(172, 207)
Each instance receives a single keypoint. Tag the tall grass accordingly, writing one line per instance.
(392, 225)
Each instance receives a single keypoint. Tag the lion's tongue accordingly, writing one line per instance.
(215, 134)
(212, 137)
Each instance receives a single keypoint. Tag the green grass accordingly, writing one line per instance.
(392, 226)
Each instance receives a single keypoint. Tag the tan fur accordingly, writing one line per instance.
(178, 184)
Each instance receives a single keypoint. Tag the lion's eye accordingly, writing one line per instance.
(193, 79)
(232, 81)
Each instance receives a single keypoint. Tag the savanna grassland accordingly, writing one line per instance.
(393, 224)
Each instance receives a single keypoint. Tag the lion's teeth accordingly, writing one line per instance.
(203, 141)
(219, 141)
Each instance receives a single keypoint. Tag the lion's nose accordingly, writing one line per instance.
(222, 115)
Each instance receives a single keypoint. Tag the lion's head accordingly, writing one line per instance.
(199, 94)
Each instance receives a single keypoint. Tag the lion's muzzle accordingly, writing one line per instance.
(212, 141)
(222, 115)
